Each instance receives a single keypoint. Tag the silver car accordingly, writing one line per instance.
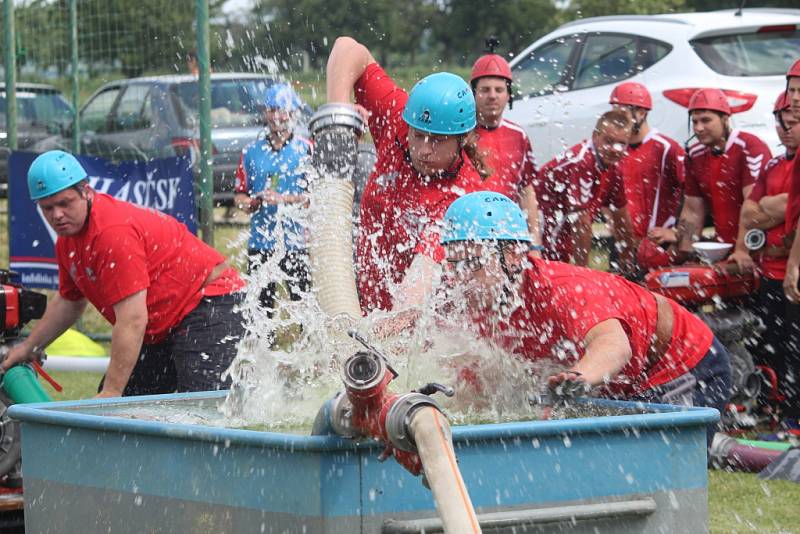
(157, 116)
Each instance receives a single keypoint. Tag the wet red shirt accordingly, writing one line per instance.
(719, 179)
(776, 179)
(561, 303)
(653, 174)
(400, 209)
(569, 185)
(507, 151)
(124, 249)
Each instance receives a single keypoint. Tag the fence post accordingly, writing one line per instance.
(11, 76)
(204, 96)
(73, 47)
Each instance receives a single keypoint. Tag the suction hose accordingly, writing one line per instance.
(728, 451)
(430, 431)
(335, 129)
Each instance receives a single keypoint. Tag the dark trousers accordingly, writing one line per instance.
(294, 265)
(779, 346)
(195, 354)
(708, 384)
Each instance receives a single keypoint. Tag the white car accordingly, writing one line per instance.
(564, 79)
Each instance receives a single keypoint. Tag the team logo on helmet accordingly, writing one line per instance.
(425, 117)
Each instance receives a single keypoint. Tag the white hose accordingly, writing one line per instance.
(331, 248)
(76, 364)
(431, 433)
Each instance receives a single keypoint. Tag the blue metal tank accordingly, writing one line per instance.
(88, 466)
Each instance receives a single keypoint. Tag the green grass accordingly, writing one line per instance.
(740, 503)
(76, 385)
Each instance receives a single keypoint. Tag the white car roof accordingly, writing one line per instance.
(692, 24)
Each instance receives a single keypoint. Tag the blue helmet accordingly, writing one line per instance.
(52, 172)
(484, 216)
(281, 95)
(441, 104)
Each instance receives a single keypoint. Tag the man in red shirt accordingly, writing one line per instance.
(790, 283)
(765, 210)
(721, 168)
(505, 145)
(427, 157)
(574, 187)
(170, 297)
(609, 333)
(652, 171)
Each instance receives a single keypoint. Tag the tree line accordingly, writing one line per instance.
(149, 36)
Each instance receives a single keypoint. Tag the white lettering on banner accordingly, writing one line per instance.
(160, 194)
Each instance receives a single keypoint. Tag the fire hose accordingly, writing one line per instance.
(411, 426)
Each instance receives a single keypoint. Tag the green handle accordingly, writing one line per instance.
(772, 445)
(20, 383)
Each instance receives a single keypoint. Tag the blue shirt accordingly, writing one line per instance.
(282, 171)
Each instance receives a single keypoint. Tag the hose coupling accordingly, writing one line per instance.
(335, 129)
(755, 239)
(399, 417)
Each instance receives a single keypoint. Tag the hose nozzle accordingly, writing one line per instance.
(335, 129)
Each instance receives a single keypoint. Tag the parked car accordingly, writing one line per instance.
(41, 110)
(565, 78)
(143, 118)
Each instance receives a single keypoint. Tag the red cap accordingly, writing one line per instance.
(491, 65)
(794, 70)
(782, 102)
(710, 99)
(631, 94)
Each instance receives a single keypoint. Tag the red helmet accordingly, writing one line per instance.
(794, 70)
(631, 94)
(782, 102)
(710, 99)
(491, 65)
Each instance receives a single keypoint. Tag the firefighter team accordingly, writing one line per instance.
(456, 191)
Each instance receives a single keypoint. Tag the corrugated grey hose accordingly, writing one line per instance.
(335, 129)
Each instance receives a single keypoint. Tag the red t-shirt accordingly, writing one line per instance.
(719, 179)
(508, 153)
(561, 303)
(568, 185)
(775, 179)
(793, 207)
(653, 174)
(124, 249)
(400, 209)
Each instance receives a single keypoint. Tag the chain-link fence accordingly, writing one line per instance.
(60, 58)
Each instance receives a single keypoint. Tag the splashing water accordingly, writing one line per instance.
(289, 364)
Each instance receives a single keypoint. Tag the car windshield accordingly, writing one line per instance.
(765, 53)
(37, 108)
(234, 103)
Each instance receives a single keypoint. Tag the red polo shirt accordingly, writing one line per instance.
(719, 179)
(793, 207)
(400, 209)
(561, 303)
(124, 249)
(776, 179)
(569, 185)
(653, 174)
(508, 153)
